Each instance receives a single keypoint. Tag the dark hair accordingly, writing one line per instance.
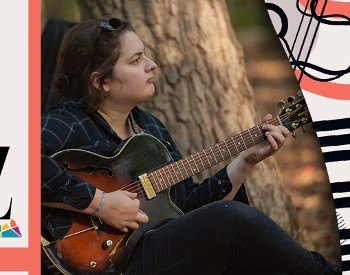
(88, 47)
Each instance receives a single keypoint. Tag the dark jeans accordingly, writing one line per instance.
(224, 237)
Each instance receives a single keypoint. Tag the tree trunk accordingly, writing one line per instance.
(202, 91)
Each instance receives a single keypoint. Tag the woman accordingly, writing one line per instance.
(104, 75)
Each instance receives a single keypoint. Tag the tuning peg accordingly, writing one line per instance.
(281, 103)
(291, 99)
(304, 130)
(294, 134)
(300, 93)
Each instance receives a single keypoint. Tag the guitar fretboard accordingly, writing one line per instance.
(173, 173)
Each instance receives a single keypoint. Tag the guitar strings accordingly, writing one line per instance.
(136, 187)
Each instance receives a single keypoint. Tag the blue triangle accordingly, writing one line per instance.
(9, 234)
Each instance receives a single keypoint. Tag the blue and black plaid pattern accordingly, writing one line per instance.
(69, 124)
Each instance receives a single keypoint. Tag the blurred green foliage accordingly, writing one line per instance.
(248, 14)
(243, 13)
(63, 9)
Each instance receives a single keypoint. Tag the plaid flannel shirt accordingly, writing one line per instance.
(69, 124)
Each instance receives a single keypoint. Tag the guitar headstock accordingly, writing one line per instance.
(294, 115)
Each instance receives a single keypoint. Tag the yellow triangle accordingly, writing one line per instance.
(5, 227)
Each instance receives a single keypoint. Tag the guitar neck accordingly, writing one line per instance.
(175, 172)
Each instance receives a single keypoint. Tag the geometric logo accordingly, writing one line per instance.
(7, 230)
(10, 230)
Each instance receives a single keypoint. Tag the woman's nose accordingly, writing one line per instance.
(151, 65)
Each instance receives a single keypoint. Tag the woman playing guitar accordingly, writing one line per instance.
(107, 169)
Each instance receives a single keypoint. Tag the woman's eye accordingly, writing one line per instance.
(136, 60)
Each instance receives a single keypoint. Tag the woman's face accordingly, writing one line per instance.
(132, 77)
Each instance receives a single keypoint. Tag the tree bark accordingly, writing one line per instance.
(202, 92)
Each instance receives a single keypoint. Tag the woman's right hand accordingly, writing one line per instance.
(120, 209)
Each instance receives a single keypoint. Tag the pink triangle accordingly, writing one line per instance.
(16, 229)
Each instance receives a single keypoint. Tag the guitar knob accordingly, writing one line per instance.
(107, 244)
(291, 99)
(294, 134)
(281, 103)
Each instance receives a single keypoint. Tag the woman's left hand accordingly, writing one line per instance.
(276, 136)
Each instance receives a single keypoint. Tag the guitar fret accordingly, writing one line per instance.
(234, 143)
(161, 180)
(248, 139)
(256, 136)
(213, 154)
(176, 172)
(169, 175)
(243, 141)
(178, 168)
(227, 148)
(161, 171)
(163, 174)
(206, 156)
(189, 164)
(182, 162)
(240, 146)
(194, 161)
(260, 132)
(201, 161)
(251, 136)
(158, 179)
(220, 151)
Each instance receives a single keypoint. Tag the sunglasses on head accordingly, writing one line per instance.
(113, 24)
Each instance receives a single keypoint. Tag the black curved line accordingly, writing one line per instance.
(283, 17)
(313, 37)
(299, 28)
(337, 74)
(321, 18)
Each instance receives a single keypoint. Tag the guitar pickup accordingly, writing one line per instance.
(147, 186)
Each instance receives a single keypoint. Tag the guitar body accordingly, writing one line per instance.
(84, 248)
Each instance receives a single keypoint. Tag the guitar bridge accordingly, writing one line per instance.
(147, 186)
(97, 224)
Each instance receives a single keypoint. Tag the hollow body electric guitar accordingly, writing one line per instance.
(143, 165)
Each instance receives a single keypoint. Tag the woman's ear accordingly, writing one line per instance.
(94, 80)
